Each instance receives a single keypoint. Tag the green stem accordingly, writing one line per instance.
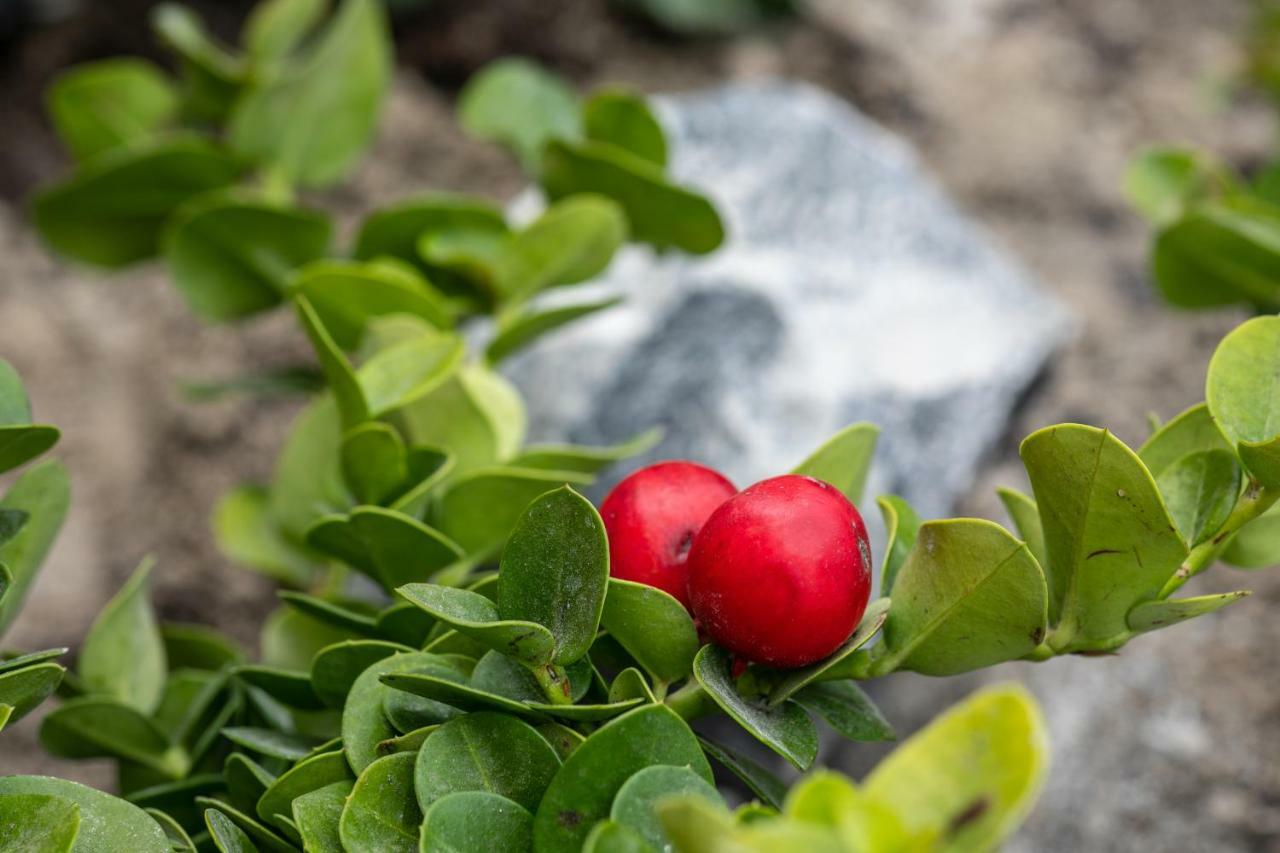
(691, 702)
(554, 682)
(1256, 500)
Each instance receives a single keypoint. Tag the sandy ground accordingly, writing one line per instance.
(1026, 111)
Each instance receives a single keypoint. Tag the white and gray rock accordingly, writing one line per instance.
(850, 288)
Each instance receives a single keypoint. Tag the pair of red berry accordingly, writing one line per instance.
(777, 574)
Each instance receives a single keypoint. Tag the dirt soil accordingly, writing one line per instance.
(1026, 111)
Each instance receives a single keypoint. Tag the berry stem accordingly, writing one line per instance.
(1256, 500)
(554, 682)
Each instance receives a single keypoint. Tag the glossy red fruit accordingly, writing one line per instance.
(651, 518)
(780, 574)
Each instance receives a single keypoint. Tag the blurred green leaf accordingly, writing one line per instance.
(291, 638)
(20, 440)
(1220, 254)
(213, 76)
(346, 294)
(335, 668)
(1257, 544)
(43, 493)
(93, 727)
(572, 241)
(22, 689)
(653, 627)
(476, 415)
(275, 27)
(123, 655)
(844, 460)
(769, 788)
(112, 212)
(520, 105)
(409, 370)
(374, 462)
(847, 709)
(296, 380)
(479, 510)
(621, 117)
(1164, 183)
(476, 820)
(528, 327)
(312, 120)
(289, 687)
(353, 407)
(106, 822)
(1244, 398)
(395, 231)
(247, 533)
(586, 460)
(110, 103)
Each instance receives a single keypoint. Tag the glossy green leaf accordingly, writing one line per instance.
(111, 211)
(518, 104)
(784, 728)
(43, 493)
(353, 408)
(1164, 183)
(634, 805)
(394, 231)
(313, 119)
(364, 725)
(621, 117)
(347, 294)
(123, 656)
(272, 744)
(586, 460)
(839, 663)
(231, 256)
(844, 460)
(847, 709)
(304, 777)
(476, 820)
(1257, 544)
(274, 28)
(382, 812)
(1150, 615)
(480, 510)
(264, 839)
(1221, 253)
(660, 213)
(630, 684)
(1025, 515)
(91, 727)
(653, 627)
(1190, 432)
(769, 788)
(407, 712)
(485, 752)
(179, 840)
(972, 774)
(247, 533)
(317, 814)
(969, 596)
(584, 788)
(109, 104)
(529, 326)
(226, 836)
(1200, 490)
(555, 570)
(23, 688)
(106, 822)
(1109, 538)
(478, 617)
(572, 241)
(1244, 397)
(335, 668)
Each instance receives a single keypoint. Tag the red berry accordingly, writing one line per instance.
(780, 574)
(651, 518)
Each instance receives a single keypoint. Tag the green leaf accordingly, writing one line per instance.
(518, 104)
(1243, 394)
(630, 684)
(476, 616)
(409, 370)
(247, 533)
(353, 407)
(528, 327)
(393, 232)
(1190, 432)
(258, 835)
(92, 727)
(485, 752)
(274, 28)
(846, 709)
(609, 836)
(555, 570)
(845, 460)
(391, 547)
(246, 781)
(291, 638)
(1257, 544)
(179, 840)
(382, 813)
(198, 647)
(109, 104)
(306, 776)
(479, 510)
(1200, 490)
(272, 744)
(106, 822)
(972, 774)
(1164, 183)
(969, 596)
(123, 655)
(335, 668)
(634, 805)
(572, 241)
(232, 256)
(621, 117)
(6, 714)
(660, 213)
(20, 440)
(313, 119)
(467, 255)
(176, 799)
(585, 460)
(768, 787)
(784, 728)
(226, 836)
(1222, 253)
(317, 814)
(1150, 615)
(498, 673)
(839, 663)
(458, 695)
(1109, 539)
(22, 689)
(1026, 520)
(308, 479)
(112, 211)
(653, 627)
(586, 713)
(289, 687)
(212, 75)
(42, 492)
(583, 790)
(347, 294)
(476, 820)
(364, 725)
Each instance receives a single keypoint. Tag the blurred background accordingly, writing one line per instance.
(1024, 112)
